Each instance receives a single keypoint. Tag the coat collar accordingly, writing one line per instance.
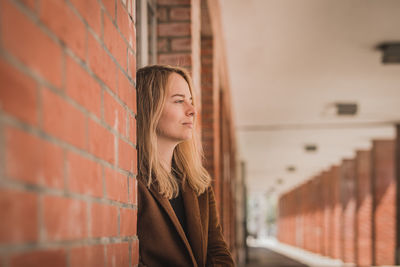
(194, 241)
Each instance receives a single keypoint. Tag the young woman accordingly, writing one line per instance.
(177, 218)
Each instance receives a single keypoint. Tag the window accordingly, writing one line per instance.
(146, 27)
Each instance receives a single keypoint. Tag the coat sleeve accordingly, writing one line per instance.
(217, 251)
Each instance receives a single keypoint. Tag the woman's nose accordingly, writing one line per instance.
(191, 111)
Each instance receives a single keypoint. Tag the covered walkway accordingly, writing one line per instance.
(264, 257)
(272, 253)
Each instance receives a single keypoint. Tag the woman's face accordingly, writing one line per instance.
(176, 121)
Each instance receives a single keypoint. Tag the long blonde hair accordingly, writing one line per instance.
(151, 85)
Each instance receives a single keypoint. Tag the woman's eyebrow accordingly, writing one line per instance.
(180, 95)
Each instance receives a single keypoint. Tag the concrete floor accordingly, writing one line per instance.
(263, 257)
(270, 252)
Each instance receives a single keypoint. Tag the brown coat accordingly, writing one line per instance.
(163, 242)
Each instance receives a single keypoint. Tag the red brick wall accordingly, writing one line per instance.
(384, 198)
(364, 209)
(179, 35)
(67, 133)
(349, 205)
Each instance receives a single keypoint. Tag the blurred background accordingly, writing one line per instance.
(299, 116)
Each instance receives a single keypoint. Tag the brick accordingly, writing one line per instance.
(162, 14)
(31, 4)
(88, 256)
(181, 44)
(63, 120)
(19, 94)
(82, 87)
(101, 142)
(43, 55)
(15, 207)
(104, 220)
(60, 19)
(127, 157)
(42, 258)
(116, 186)
(174, 29)
(128, 222)
(91, 12)
(118, 255)
(64, 218)
(177, 59)
(114, 114)
(132, 129)
(126, 91)
(101, 63)
(132, 191)
(173, 2)
(114, 43)
(110, 7)
(180, 13)
(125, 24)
(131, 64)
(162, 45)
(84, 175)
(135, 252)
(42, 161)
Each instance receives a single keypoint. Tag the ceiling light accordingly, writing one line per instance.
(310, 148)
(346, 108)
(391, 52)
(291, 168)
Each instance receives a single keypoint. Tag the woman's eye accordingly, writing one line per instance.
(179, 101)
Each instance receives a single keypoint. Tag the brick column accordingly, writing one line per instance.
(384, 199)
(337, 213)
(179, 35)
(348, 204)
(327, 213)
(67, 133)
(397, 163)
(364, 209)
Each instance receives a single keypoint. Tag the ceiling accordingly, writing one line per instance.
(290, 61)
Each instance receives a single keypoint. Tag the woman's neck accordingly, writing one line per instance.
(165, 153)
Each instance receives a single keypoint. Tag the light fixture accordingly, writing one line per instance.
(310, 147)
(291, 168)
(346, 109)
(391, 52)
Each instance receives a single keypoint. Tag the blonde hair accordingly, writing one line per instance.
(151, 84)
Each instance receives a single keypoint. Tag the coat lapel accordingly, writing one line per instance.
(193, 223)
(171, 214)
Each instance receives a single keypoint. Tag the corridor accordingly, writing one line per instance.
(263, 257)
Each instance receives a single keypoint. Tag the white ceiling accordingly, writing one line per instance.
(289, 61)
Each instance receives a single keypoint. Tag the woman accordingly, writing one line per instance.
(177, 218)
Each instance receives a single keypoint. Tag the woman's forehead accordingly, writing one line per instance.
(178, 85)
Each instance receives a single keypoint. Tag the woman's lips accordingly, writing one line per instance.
(188, 124)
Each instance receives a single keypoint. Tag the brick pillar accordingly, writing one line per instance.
(318, 200)
(308, 216)
(179, 35)
(364, 209)
(67, 133)
(384, 199)
(348, 205)
(337, 213)
(327, 213)
(210, 114)
(397, 163)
